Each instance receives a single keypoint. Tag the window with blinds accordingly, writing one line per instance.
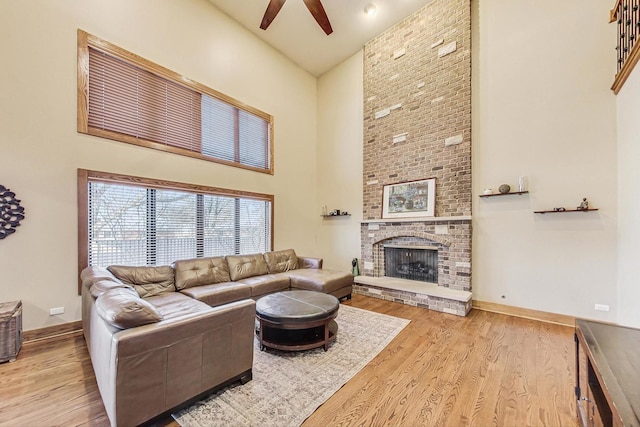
(146, 224)
(127, 98)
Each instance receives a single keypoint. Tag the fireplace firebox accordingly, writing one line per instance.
(411, 262)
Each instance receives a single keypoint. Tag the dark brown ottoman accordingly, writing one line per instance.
(297, 320)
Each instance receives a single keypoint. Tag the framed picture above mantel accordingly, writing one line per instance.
(413, 199)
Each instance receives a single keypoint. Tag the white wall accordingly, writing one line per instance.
(542, 108)
(40, 149)
(339, 154)
(628, 109)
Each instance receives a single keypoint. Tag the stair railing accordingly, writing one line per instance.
(626, 14)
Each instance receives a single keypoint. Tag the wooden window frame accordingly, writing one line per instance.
(86, 41)
(85, 176)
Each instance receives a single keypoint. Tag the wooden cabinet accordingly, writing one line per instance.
(607, 374)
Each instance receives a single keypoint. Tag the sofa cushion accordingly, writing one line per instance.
(175, 304)
(281, 261)
(200, 271)
(309, 262)
(266, 284)
(311, 279)
(219, 293)
(147, 281)
(124, 309)
(93, 274)
(102, 286)
(242, 266)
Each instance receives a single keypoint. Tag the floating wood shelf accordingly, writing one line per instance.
(568, 210)
(504, 194)
(334, 216)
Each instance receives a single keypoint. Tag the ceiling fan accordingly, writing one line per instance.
(314, 6)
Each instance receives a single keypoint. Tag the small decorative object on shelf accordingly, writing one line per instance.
(559, 209)
(521, 184)
(335, 212)
(504, 188)
(487, 191)
(584, 205)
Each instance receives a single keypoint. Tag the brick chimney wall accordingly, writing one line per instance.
(417, 125)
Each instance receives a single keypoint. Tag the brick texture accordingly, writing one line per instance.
(435, 97)
(417, 88)
(410, 298)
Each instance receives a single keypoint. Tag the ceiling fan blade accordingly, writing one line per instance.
(270, 14)
(316, 9)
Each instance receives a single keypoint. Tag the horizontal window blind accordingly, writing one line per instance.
(129, 100)
(138, 225)
(232, 134)
(175, 230)
(134, 102)
(218, 129)
(252, 132)
(117, 225)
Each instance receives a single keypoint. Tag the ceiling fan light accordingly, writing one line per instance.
(370, 9)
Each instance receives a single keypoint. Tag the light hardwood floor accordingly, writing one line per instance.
(485, 369)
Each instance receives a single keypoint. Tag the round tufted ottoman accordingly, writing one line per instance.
(297, 320)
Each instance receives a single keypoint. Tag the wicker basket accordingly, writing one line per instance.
(10, 330)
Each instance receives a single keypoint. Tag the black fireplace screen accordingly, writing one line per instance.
(411, 263)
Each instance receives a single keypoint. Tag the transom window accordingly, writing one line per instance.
(124, 97)
(136, 221)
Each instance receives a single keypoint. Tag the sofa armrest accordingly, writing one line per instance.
(177, 359)
(309, 262)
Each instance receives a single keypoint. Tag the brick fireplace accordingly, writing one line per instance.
(411, 262)
(417, 125)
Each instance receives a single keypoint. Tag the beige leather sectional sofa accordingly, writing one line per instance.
(162, 337)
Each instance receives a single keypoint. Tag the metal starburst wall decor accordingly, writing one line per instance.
(11, 213)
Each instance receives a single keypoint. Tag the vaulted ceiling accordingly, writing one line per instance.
(295, 33)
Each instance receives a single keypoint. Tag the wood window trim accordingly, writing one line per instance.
(84, 176)
(86, 41)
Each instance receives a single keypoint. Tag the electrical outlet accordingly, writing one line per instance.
(602, 307)
(56, 310)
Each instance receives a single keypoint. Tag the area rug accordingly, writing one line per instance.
(287, 387)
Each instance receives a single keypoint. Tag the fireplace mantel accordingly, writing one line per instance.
(431, 219)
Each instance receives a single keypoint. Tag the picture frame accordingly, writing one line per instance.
(412, 199)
